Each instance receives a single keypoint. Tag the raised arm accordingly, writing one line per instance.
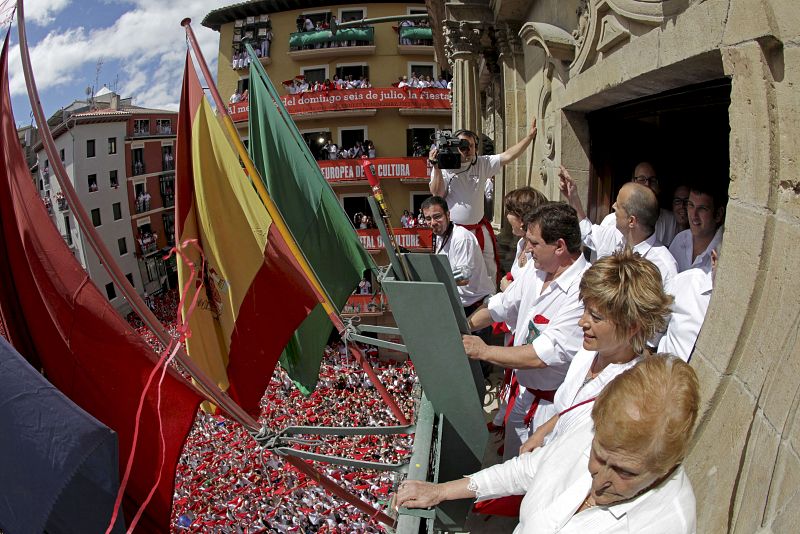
(570, 190)
(516, 151)
(436, 185)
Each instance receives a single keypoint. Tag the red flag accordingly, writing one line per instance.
(87, 351)
(255, 293)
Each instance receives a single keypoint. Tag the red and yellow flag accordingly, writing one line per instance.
(254, 293)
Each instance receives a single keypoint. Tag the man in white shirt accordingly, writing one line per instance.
(706, 211)
(461, 249)
(636, 212)
(666, 226)
(464, 188)
(544, 305)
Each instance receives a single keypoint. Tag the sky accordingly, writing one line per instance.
(139, 45)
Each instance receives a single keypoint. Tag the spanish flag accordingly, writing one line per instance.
(254, 293)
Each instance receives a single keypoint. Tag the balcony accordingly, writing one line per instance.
(366, 305)
(61, 202)
(358, 102)
(415, 40)
(137, 168)
(320, 44)
(142, 205)
(141, 131)
(148, 243)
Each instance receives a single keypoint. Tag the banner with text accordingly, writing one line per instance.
(410, 238)
(350, 170)
(352, 99)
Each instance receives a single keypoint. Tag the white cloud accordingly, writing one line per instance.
(41, 12)
(146, 42)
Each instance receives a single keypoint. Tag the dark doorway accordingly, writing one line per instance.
(350, 137)
(315, 142)
(683, 132)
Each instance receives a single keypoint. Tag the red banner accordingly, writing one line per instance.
(410, 238)
(351, 99)
(350, 170)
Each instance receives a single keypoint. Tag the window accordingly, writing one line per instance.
(129, 276)
(168, 190)
(90, 148)
(61, 154)
(92, 181)
(418, 141)
(117, 208)
(349, 137)
(356, 71)
(316, 143)
(243, 85)
(96, 217)
(154, 266)
(351, 14)
(167, 160)
(164, 126)
(112, 179)
(169, 227)
(141, 127)
(424, 69)
(122, 244)
(110, 291)
(112, 145)
(315, 74)
(67, 230)
(137, 154)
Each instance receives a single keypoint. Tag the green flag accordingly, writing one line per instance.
(318, 223)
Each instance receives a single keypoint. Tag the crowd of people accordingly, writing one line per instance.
(226, 483)
(346, 82)
(422, 81)
(407, 220)
(331, 151)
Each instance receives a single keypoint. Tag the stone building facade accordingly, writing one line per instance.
(708, 89)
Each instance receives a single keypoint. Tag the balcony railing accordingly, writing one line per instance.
(164, 129)
(345, 37)
(168, 199)
(148, 243)
(137, 168)
(141, 131)
(416, 35)
(142, 205)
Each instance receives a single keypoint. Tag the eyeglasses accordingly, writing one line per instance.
(678, 201)
(436, 217)
(646, 180)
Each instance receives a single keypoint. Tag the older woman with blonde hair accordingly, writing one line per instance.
(624, 306)
(618, 472)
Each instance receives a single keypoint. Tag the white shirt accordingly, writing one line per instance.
(466, 187)
(516, 269)
(682, 249)
(462, 250)
(574, 391)
(560, 338)
(555, 480)
(692, 291)
(666, 225)
(606, 240)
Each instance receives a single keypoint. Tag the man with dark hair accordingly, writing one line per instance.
(462, 251)
(666, 225)
(544, 305)
(706, 212)
(466, 187)
(636, 211)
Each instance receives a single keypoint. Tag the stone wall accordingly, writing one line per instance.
(744, 461)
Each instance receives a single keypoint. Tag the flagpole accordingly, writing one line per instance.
(275, 214)
(205, 385)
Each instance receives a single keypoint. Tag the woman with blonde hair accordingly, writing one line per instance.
(618, 472)
(624, 306)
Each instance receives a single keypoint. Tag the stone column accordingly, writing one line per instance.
(462, 45)
(512, 67)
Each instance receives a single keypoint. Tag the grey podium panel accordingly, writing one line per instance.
(423, 313)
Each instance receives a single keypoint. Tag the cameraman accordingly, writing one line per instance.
(464, 188)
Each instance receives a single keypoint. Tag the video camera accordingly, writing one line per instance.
(449, 156)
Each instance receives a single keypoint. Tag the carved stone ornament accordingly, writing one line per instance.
(461, 38)
(602, 24)
(545, 118)
(556, 42)
(508, 41)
